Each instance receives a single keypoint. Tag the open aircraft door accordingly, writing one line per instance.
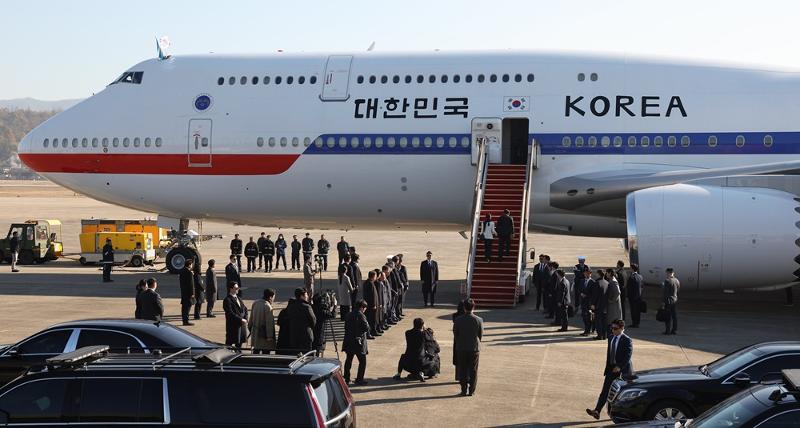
(486, 130)
(199, 144)
(337, 78)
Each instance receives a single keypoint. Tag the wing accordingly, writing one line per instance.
(604, 192)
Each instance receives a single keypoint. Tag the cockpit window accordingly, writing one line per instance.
(134, 77)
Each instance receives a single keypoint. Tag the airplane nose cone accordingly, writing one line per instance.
(24, 145)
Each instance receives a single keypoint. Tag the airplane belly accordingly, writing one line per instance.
(328, 191)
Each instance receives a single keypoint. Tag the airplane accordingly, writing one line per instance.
(693, 164)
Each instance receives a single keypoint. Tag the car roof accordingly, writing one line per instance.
(109, 322)
(97, 359)
(770, 347)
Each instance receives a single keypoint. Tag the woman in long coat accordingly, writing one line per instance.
(614, 310)
(262, 324)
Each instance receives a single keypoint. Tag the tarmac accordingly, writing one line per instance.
(530, 375)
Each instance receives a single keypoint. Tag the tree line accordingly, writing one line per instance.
(14, 124)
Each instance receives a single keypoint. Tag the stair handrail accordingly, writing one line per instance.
(524, 214)
(477, 205)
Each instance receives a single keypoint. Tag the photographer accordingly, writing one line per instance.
(308, 276)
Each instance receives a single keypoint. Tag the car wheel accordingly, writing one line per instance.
(669, 410)
(82, 261)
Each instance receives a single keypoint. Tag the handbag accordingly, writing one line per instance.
(661, 315)
(643, 306)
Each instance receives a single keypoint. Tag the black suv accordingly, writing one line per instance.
(679, 393)
(762, 406)
(212, 388)
(120, 334)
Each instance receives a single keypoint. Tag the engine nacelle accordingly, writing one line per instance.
(715, 237)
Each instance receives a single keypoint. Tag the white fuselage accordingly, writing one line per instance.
(308, 154)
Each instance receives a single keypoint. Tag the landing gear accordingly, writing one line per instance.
(176, 258)
(183, 248)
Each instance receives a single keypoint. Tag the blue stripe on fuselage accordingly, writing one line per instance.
(554, 144)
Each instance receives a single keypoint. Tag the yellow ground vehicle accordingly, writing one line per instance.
(158, 234)
(132, 248)
(39, 241)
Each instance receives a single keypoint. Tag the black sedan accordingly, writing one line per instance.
(775, 405)
(679, 393)
(119, 334)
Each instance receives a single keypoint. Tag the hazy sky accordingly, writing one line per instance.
(59, 49)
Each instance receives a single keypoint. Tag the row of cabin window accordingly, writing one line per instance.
(96, 142)
(658, 141)
(444, 78)
(390, 142)
(277, 80)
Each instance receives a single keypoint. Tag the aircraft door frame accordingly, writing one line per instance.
(485, 130)
(336, 82)
(199, 143)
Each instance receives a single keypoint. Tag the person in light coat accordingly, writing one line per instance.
(613, 295)
(262, 324)
(343, 292)
(487, 234)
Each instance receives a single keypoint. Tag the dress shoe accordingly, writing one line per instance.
(188, 323)
(370, 337)
(562, 329)
(396, 377)
(463, 392)
(17, 270)
(673, 332)
(361, 382)
(593, 413)
(377, 334)
(421, 377)
(470, 393)
(210, 316)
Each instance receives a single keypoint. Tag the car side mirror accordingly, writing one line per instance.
(741, 379)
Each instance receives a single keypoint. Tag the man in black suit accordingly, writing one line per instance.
(301, 322)
(235, 317)
(429, 275)
(308, 247)
(262, 244)
(354, 344)
(236, 250)
(150, 301)
(186, 280)
(411, 360)
(588, 290)
(505, 231)
(467, 335)
(550, 291)
(635, 288)
(232, 272)
(370, 294)
(540, 275)
(108, 260)
(618, 363)
(600, 306)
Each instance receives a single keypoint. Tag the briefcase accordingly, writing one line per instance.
(643, 307)
(661, 315)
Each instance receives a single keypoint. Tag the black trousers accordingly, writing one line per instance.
(601, 400)
(623, 301)
(239, 261)
(428, 290)
(504, 245)
(487, 248)
(197, 308)
(601, 325)
(372, 319)
(636, 311)
(251, 264)
(261, 257)
(106, 272)
(539, 296)
(210, 300)
(671, 324)
(563, 316)
(268, 263)
(362, 366)
(343, 311)
(324, 260)
(185, 308)
(296, 261)
(467, 369)
(278, 261)
(587, 321)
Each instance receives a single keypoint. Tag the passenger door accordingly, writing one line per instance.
(337, 78)
(199, 144)
(118, 341)
(37, 402)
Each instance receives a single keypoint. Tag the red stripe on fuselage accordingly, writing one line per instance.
(168, 164)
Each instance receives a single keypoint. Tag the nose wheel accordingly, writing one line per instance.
(176, 258)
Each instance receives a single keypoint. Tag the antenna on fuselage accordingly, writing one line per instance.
(371, 47)
(162, 44)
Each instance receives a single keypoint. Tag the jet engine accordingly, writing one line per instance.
(715, 236)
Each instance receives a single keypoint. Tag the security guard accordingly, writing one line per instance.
(308, 247)
(108, 260)
(269, 252)
(236, 250)
(323, 246)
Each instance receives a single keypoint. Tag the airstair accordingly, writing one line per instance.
(499, 187)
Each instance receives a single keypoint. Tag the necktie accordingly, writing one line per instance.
(614, 348)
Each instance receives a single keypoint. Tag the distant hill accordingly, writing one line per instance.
(37, 105)
(14, 124)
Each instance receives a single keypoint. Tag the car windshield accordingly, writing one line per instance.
(731, 362)
(177, 337)
(731, 413)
